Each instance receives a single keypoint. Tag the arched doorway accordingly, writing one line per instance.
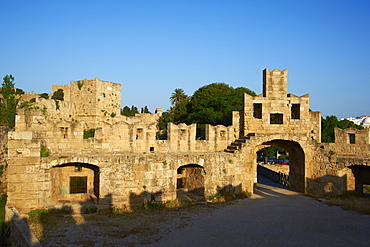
(296, 178)
(190, 178)
(75, 182)
(362, 179)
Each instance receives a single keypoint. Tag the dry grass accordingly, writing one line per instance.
(124, 226)
(352, 202)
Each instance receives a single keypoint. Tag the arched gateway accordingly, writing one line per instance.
(276, 118)
(296, 162)
(51, 160)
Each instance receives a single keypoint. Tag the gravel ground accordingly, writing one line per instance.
(128, 229)
(272, 216)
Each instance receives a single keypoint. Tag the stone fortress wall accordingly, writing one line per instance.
(124, 164)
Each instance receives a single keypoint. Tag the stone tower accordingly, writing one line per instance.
(275, 83)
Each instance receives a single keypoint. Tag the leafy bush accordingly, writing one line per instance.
(44, 152)
(57, 105)
(38, 215)
(44, 95)
(58, 95)
(152, 206)
(225, 196)
(44, 110)
(2, 167)
(80, 84)
(89, 133)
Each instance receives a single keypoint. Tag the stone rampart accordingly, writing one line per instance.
(52, 163)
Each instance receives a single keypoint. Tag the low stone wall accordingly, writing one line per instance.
(277, 168)
(278, 174)
(17, 231)
(274, 176)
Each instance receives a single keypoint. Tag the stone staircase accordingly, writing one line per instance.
(238, 144)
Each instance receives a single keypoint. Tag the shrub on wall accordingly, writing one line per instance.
(80, 84)
(58, 95)
(89, 133)
(44, 95)
(44, 152)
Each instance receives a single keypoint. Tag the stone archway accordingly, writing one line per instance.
(362, 178)
(191, 179)
(75, 182)
(297, 174)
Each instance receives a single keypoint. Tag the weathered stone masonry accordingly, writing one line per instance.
(124, 164)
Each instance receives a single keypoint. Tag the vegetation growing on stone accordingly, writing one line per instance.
(80, 84)
(89, 133)
(57, 104)
(58, 95)
(44, 152)
(44, 95)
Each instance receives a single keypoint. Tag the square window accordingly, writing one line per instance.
(78, 185)
(276, 118)
(257, 110)
(296, 111)
(352, 138)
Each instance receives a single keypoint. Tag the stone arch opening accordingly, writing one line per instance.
(190, 178)
(296, 179)
(273, 162)
(362, 179)
(75, 182)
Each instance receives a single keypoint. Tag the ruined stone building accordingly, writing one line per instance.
(50, 163)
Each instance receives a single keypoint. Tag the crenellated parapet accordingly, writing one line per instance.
(276, 111)
(58, 145)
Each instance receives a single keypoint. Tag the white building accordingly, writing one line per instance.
(363, 121)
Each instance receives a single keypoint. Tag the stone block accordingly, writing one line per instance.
(20, 135)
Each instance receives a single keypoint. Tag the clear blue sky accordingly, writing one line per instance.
(153, 47)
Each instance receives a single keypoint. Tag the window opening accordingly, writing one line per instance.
(276, 118)
(64, 132)
(352, 138)
(296, 114)
(78, 185)
(139, 134)
(151, 149)
(257, 110)
(183, 134)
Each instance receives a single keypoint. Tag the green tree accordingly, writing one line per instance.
(328, 125)
(177, 96)
(145, 109)
(271, 151)
(327, 128)
(127, 111)
(210, 104)
(179, 112)
(162, 125)
(214, 103)
(8, 102)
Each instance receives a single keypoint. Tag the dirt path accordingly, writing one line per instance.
(273, 216)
